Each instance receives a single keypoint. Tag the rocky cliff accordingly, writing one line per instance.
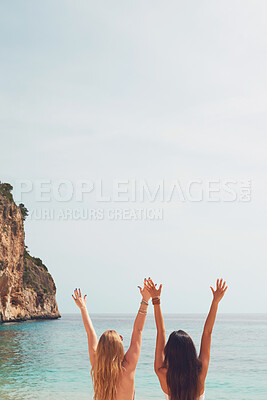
(27, 290)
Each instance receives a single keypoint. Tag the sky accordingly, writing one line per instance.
(114, 96)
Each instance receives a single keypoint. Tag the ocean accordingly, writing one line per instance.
(48, 360)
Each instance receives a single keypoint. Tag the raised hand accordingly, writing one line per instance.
(220, 290)
(151, 287)
(79, 300)
(144, 291)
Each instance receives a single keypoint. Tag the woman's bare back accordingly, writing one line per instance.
(126, 385)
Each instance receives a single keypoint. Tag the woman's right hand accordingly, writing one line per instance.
(151, 287)
(220, 290)
(144, 292)
(79, 300)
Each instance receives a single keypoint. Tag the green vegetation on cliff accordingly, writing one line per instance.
(35, 260)
(24, 211)
(5, 189)
(36, 275)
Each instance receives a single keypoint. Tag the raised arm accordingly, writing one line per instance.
(132, 355)
(91, 335)
(204, 354)
(160, 342)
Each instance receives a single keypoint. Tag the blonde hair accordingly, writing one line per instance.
(107, 366)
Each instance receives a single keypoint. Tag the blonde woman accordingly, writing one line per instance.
(113, 371)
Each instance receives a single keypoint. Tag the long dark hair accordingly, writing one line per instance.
(183, 366)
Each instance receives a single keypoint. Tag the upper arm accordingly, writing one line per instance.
(204, 354)
(92, 346)
(132, 355)
(159, 359)
(161, 374)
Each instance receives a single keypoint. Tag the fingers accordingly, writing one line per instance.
(150, 283)
(160, 287)
(77, 294)
(73, 298)
(220, 289)
(152, 288)
(220, 284)
(147, 287)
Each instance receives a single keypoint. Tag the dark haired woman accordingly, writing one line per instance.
(180, 371)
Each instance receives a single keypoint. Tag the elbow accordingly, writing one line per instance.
(138, 329)
(156, 369)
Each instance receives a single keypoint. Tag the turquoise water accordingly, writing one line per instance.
(49, 359)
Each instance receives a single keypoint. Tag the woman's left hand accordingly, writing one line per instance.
(79, 300)
(152, 288)
(144, 292)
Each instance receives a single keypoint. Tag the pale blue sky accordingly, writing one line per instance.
(141, 90)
